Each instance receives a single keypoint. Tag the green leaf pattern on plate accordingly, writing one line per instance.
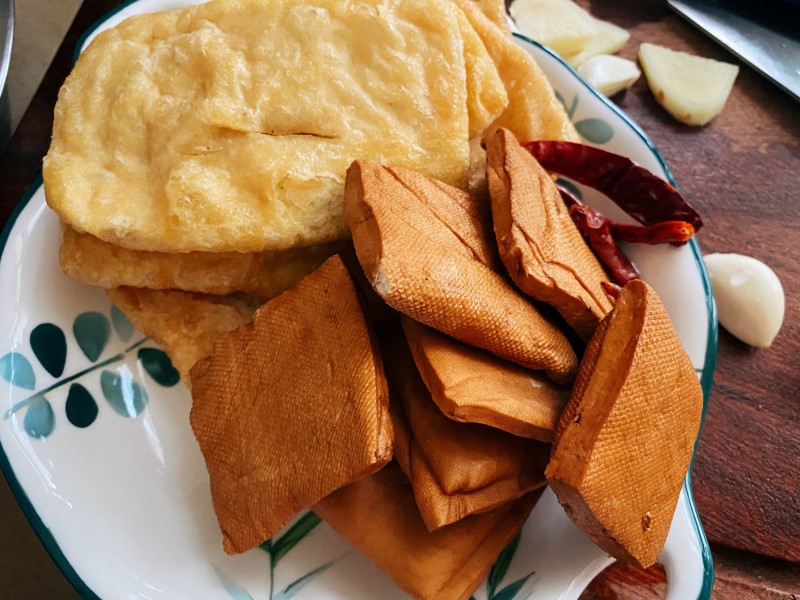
(294, 587)
(17, 370)
(299, 529)
(39, 421)
(49, 345)
(92, 331)
(500, 567)
(80, 407)
(594, 130)
(126, 396)
(277, 549)
(597, 131)
(122, 325)
(158, 365)
(498, 572)
(235, 591)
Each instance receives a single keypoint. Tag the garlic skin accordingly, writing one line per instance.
(750, 299)
(609, 74)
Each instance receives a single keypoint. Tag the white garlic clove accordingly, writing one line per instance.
(750, 299)
(691, 88)
(609, 74)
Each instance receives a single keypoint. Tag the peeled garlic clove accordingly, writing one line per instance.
(607, 39)
(609, 74)
(750, 300)
(691, 88)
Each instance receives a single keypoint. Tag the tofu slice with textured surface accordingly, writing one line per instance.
(290, 407)
(625, 440)
(431, 267)
(379, 517)
(542, 249)
(456, 469)
(474, 386)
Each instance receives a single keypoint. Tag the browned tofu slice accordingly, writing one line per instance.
(379, 517)
(425, 266)
(473, 386)
(539, 243)
(290, 407)
(625, 440)
(456, 469)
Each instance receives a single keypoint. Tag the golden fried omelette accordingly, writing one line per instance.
(229, 126)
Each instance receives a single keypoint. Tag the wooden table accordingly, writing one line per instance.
(743, 174)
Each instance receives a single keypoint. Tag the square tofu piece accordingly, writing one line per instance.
(290, 407)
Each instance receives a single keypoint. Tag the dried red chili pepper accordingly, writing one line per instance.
(594, 226)
(645, 197)
(673, 232)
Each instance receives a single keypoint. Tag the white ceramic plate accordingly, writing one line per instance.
(97, 447)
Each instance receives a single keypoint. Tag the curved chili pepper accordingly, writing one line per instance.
(594, 227)
(645, 197)
(673, 232)
(666, 232)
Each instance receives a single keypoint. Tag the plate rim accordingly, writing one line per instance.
(706, 380)
(710, 359)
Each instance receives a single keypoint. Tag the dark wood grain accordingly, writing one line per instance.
(743, 173)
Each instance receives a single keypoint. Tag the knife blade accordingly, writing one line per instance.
(771, 49)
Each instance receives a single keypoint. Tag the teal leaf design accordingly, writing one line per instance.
(49, 344)
(236, 591)
(512, 589)
(560, 98)
(300, 529)
(122, 325)
(500, 567)
(569, 109)
(595, 130)
(16, 369)
(91, 330)
(570, 187)
(159, 366)
(81, 408)
(39, 421)
(298, 585)
(126, 396)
